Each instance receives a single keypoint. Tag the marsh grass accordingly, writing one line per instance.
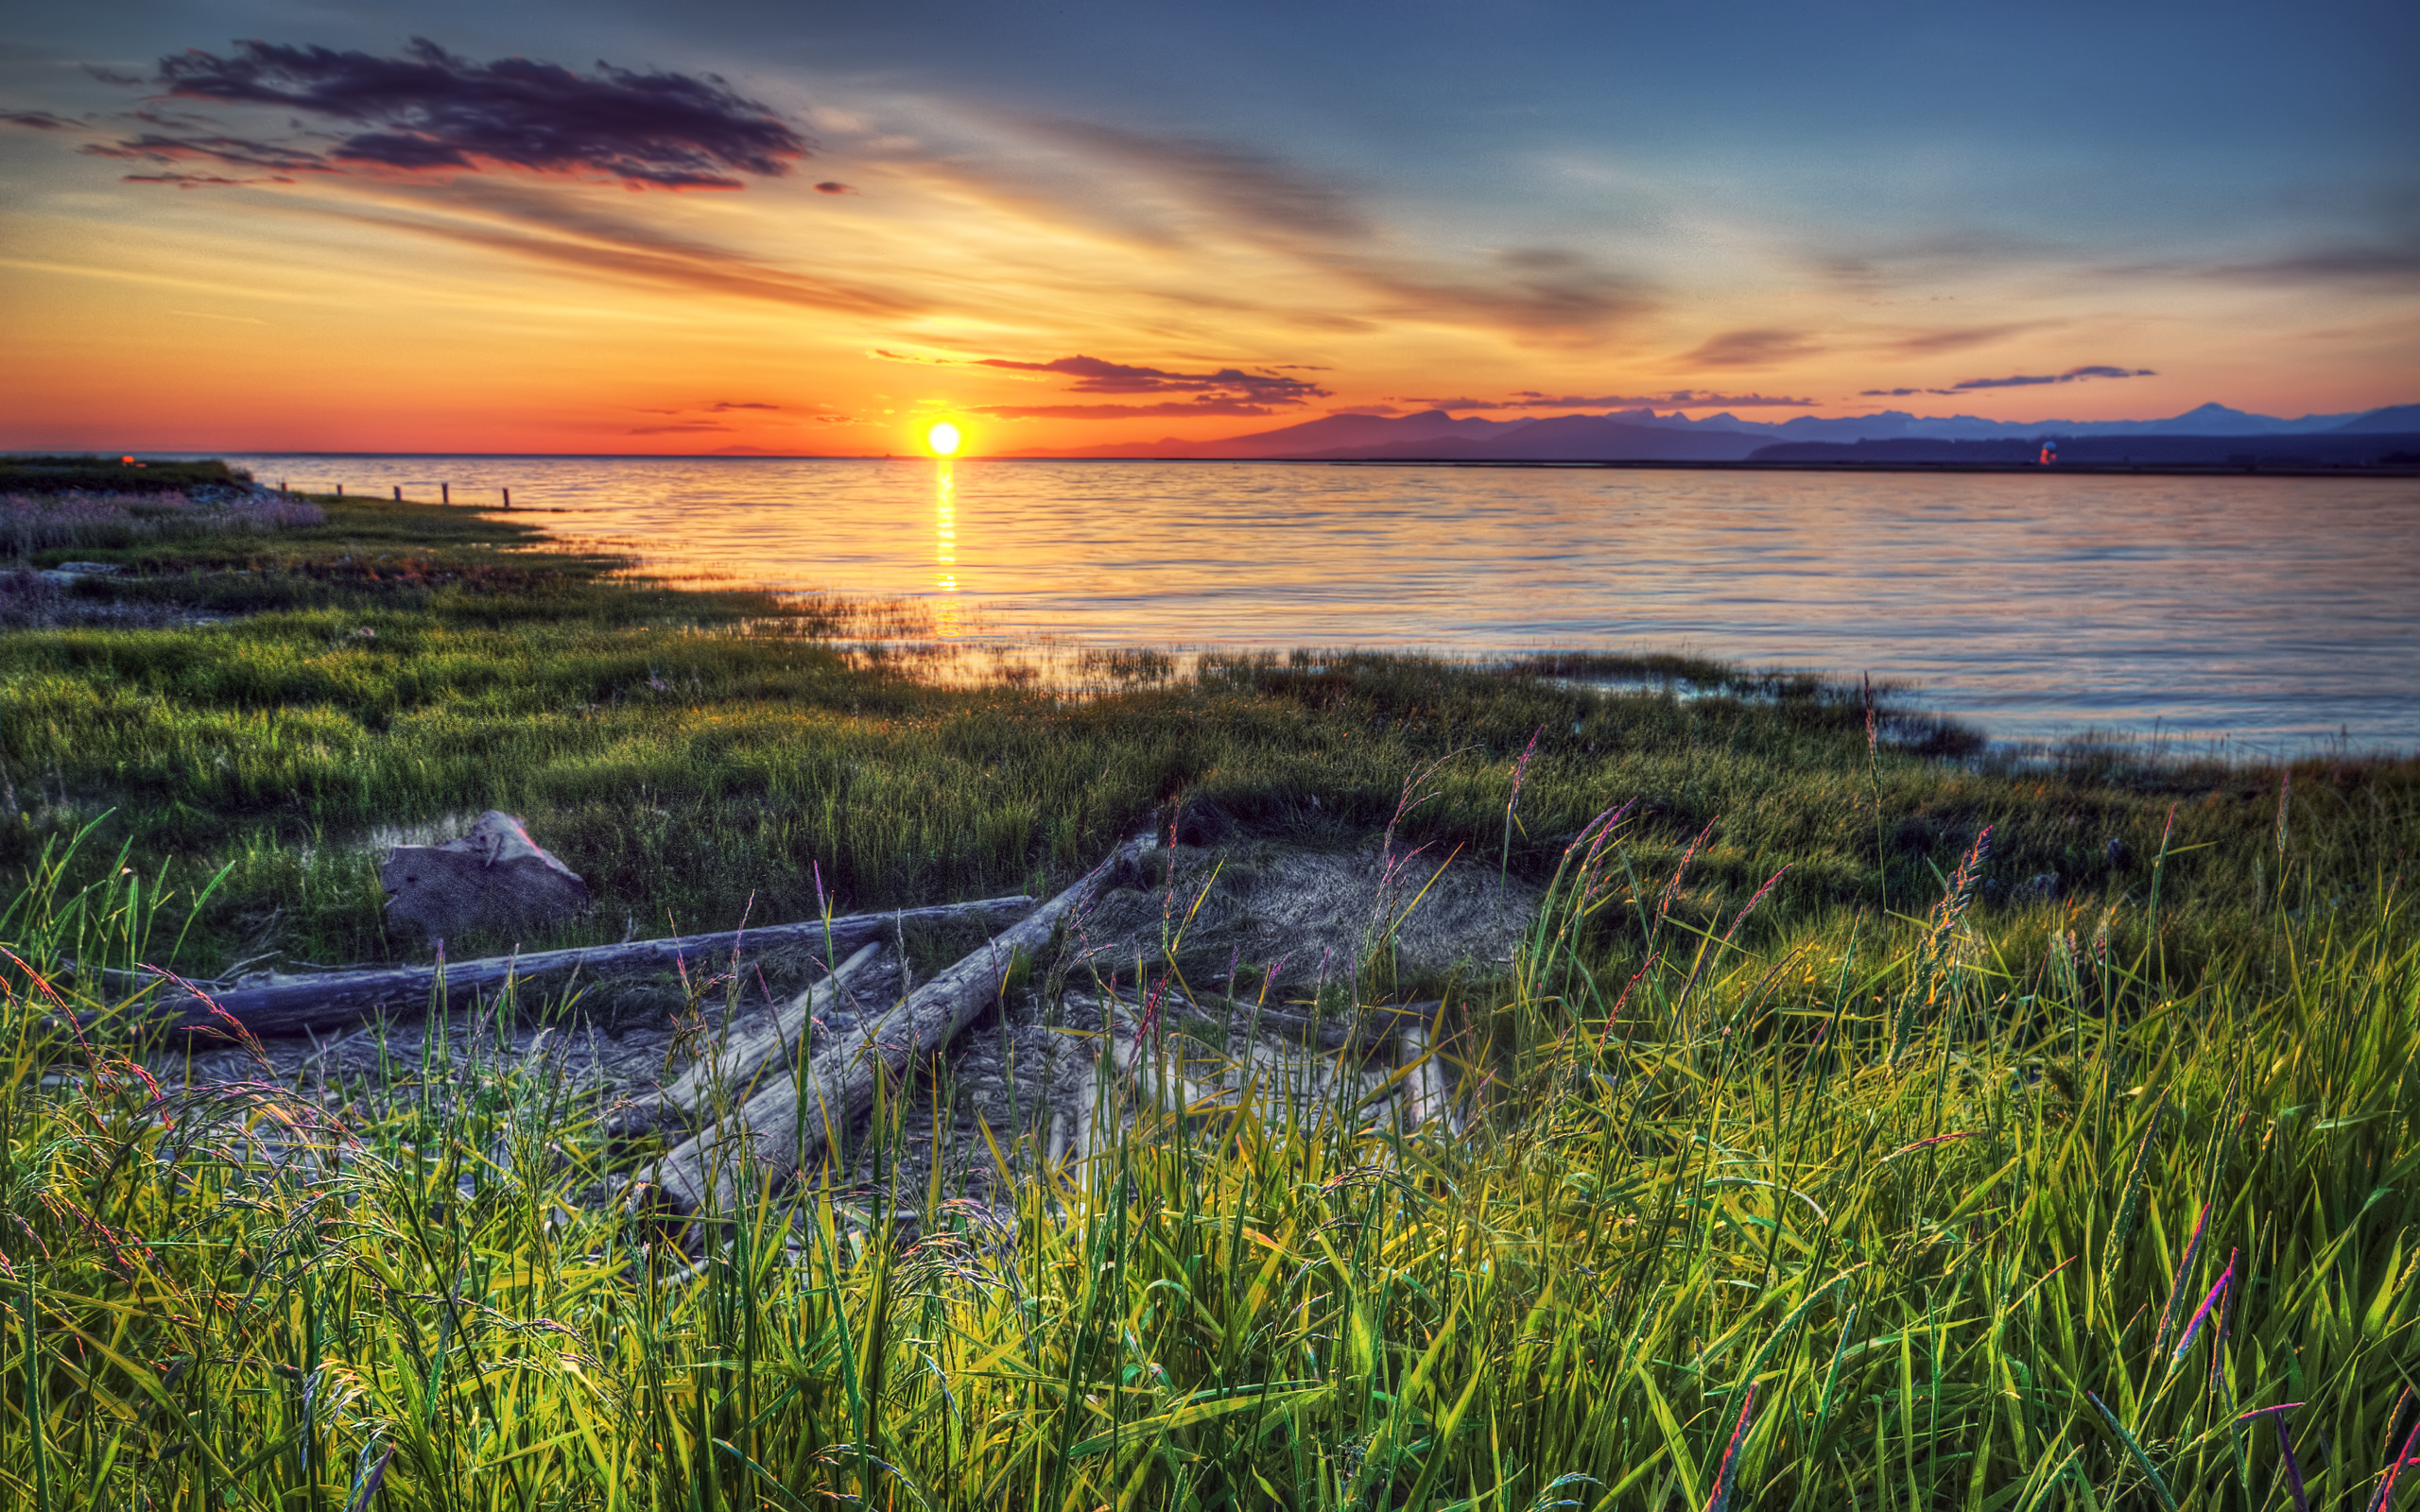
(2005, 1196)
(1916, 1215)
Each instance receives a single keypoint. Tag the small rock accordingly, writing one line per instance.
(494, 878)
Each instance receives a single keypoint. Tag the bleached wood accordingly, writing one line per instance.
(785, 1126)
(337, 999)
(740, 1059)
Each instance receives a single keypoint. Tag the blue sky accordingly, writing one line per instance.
(1413, 202)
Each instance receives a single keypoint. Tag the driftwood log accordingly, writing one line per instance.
(732, 1065)
(337, 999)
(1370, 1028)
(785, 1126)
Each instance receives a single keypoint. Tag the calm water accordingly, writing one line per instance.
(2270, 611)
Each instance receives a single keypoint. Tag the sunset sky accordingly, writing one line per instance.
(733, 224)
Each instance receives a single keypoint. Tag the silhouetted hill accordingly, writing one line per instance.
(1621, 435)
(2394, 418)
(2308, 448)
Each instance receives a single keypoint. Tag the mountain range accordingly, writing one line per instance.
(1642, 434)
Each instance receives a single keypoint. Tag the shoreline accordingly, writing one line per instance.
(2211, 469)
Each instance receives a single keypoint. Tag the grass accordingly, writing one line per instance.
(2012, 1195)
(1891, 1222)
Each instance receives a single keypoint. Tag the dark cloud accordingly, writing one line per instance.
(431, 109)
(199, 180)
(834, 186)
(676, 428)
(2028, 381)
(1200, 404)
(1673, 398)
(719, 405)
(234, 151)
(1094, 375)
(111, 75)
(1750, 348)
(39, 120)
(2072, 375)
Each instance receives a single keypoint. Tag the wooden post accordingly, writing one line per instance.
(508, 498)
(399, 493)
(446, 493)
(339, 490)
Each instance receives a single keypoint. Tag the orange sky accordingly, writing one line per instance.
(500, 307)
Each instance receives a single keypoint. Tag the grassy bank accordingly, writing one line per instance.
(2002, 1173)
(397, 669)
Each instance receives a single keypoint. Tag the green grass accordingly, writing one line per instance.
(1948, 1210)
(1904, 1206)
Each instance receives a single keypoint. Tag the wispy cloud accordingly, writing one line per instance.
(1172, 193)
(1961, 338)
(1750, 349)
(2345, 263)
(1249, 190)
(569, 235)
(432, 110)
(232, 151)
(39, 120)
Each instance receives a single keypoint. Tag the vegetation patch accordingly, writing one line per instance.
(1839, 1125)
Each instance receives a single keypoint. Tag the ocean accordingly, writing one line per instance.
(2252, 615)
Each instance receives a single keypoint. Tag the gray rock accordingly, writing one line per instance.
(495, 878)
(2040, 889)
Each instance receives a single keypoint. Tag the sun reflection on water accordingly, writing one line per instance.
(946, 541)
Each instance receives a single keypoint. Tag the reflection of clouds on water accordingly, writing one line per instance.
(2279, 609)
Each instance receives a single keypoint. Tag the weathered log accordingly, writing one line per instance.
(337, 999)
(1370, 1028)
(785, 1126)
(736, 1062)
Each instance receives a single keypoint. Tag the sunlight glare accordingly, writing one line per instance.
(943, 438)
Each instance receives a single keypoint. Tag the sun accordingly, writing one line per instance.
(943, 438)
